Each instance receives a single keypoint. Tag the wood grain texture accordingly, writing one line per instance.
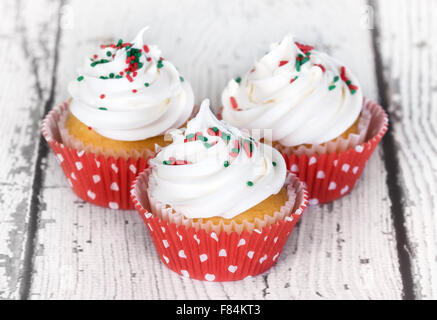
(409, 53)
(343, 250)
(27, 34)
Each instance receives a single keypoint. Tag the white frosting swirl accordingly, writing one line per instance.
(304, 99)
(209, 177)
(145, 103)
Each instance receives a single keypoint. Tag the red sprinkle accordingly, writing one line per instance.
(292, 80)
(304, 48)
(237, 144)
(148, 58)
(321, 67)
(234, 103)
(282, 62)
(247, 149)
(353, 87)
(146, 48)
(89, 128)
(343, 74)
(102, 96)
(197, 134)
(103, 46)
(128, 77)
(95, 56)
(211, 132)
(134, 90)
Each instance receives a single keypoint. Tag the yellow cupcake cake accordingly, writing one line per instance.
(214, 176)
(125, 98)
(299, 98)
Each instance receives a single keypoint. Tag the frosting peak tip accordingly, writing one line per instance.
(139, 37)
(204, 105)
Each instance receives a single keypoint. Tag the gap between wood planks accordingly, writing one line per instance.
(391, 162)
(389, 148)
(42, 154)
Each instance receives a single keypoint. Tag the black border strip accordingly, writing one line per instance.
(32, 225)
(391, 162)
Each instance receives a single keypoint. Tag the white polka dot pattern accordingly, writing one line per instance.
(218, 256)
(329, 176)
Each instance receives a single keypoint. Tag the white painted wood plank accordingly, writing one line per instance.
(409, 51)
(27, 36)
(341, 250)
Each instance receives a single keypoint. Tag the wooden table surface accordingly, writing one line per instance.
(378, 242)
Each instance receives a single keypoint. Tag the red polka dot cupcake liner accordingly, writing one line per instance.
(209, 255)
(331, 175)
(97, 179)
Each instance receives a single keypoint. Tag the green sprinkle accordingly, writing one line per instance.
(249, 183)
(120, 42)
(103, 77)
(108, 53)
(202, 138)
(336, 78)
(207, 145)
(215, 129)
(166, 162)
(80, 78)
(297, 65)
(190, 136)
(160, 65)
(348, 82)
(102, 108)
(146, 84)
(238, 80)
(235, 150)
(226, 164)
(331, 87)
(181, 78)
(117, 76)
(98, 62)
(274, 163)
(353, 91)
(111, 75)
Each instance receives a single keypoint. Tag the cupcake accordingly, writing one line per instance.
(310, 107)
(218, 204)
(124, 99)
